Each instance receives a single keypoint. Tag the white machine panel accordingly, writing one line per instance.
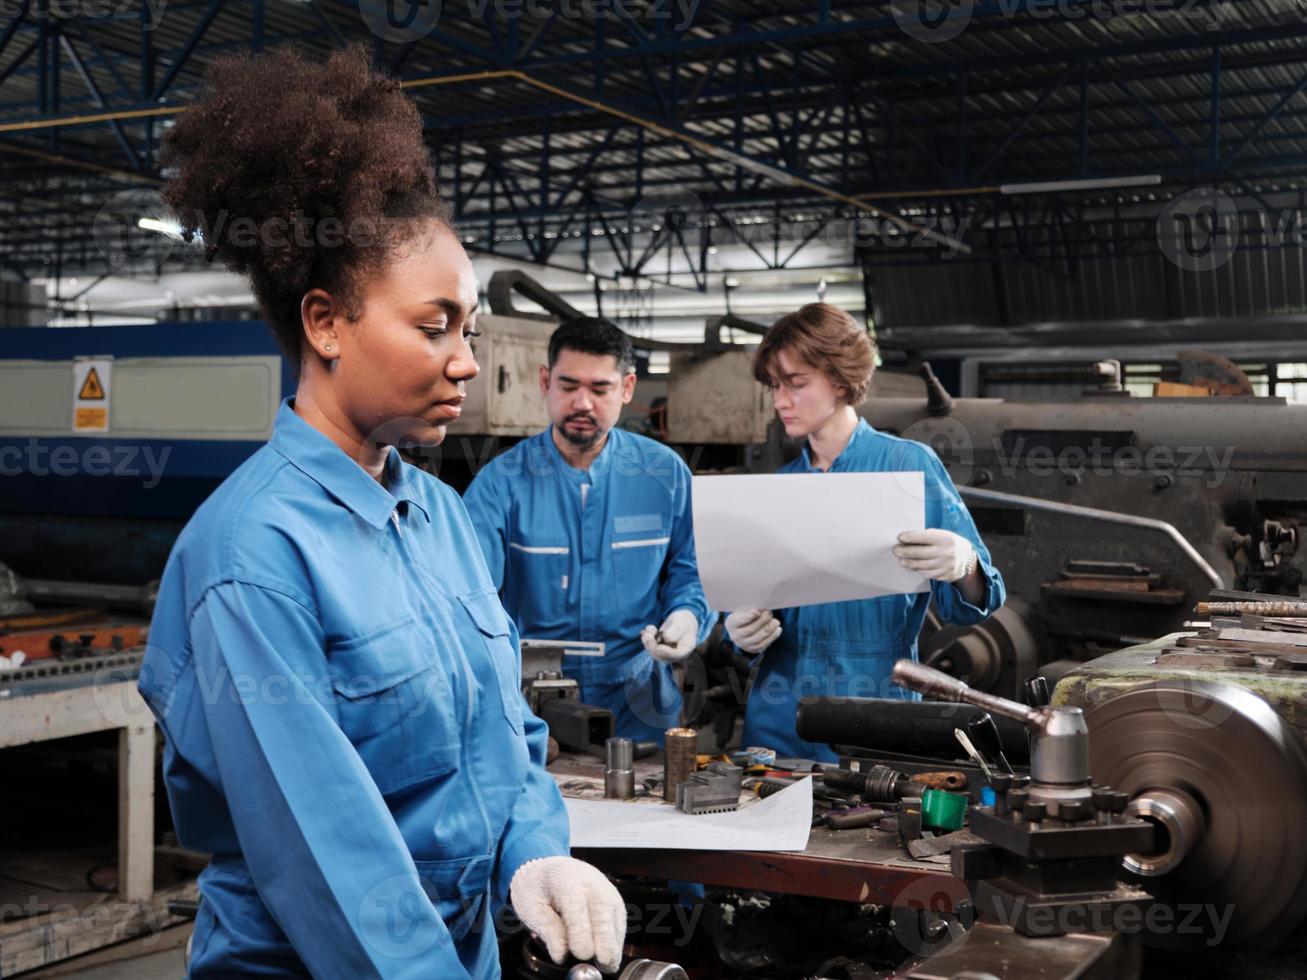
(713, 398)
(504, 399)
(229, 398)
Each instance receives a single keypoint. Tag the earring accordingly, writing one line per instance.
(327, 347)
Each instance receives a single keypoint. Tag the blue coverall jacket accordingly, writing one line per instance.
(338, 686)
(848, 649)
(595, 555)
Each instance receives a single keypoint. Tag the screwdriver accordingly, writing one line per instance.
(984, 733)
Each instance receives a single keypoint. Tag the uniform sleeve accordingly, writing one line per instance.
(321, 846)
(945, 509)
(537, 826)
(487, 505)
(679, 587)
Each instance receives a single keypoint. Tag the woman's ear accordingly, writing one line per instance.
(318, 320)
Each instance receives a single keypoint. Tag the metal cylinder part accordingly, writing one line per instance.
(680, 746)
(620, 753)
(885, 785)
(584, 971)
(1060, 753)
(653, 970)
(619, 772)
(1180, 825)
(876, 784)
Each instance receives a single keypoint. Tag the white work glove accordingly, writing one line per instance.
(571, 907)
(936, 553)
(680, 633)
(753, 630)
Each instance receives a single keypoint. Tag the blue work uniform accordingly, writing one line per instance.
(847, 649)
(595, 555)
(338, 686)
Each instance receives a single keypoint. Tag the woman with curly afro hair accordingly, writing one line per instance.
(336, 680)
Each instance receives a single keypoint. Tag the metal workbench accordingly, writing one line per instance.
(859, 865)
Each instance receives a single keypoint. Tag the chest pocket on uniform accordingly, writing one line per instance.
(637, 562)
(492, 623)
(540, 576)
(396, 704)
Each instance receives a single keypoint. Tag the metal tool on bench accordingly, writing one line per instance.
(884, 784)
(1051, 863)
(535, 964)
(619, 769)
(556, 699)
(635, 970)
(984, 736)
(714, 789)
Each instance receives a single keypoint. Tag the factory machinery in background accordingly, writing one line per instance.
(1107, 514)
(97, 489)
(1168, 779)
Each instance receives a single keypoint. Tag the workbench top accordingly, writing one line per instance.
(862, 865)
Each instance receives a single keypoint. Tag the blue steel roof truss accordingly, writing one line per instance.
(795, 115)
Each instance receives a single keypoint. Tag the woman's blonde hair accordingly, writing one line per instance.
(828, 339)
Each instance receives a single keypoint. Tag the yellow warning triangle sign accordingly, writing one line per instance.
(92, 390)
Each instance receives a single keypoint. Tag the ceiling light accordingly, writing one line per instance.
(1052, 186)
(169, 228)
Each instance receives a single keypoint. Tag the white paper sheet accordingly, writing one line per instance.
(778, 823)
(795, 539)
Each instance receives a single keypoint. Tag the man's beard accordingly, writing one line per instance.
(582, 440)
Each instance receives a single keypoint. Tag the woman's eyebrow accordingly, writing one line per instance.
(452, 306)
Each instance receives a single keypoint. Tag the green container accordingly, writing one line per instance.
(941, 810)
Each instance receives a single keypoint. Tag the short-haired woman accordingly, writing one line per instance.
(818, 364)
(337, 682)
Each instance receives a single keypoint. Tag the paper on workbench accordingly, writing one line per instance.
(796, 539)
(779, 823)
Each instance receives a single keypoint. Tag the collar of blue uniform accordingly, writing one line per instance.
(313, 453)
(598, 467)
(860, 431)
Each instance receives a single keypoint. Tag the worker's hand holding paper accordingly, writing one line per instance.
(795, 539)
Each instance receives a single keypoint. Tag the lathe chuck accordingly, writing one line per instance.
(1225, 779)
